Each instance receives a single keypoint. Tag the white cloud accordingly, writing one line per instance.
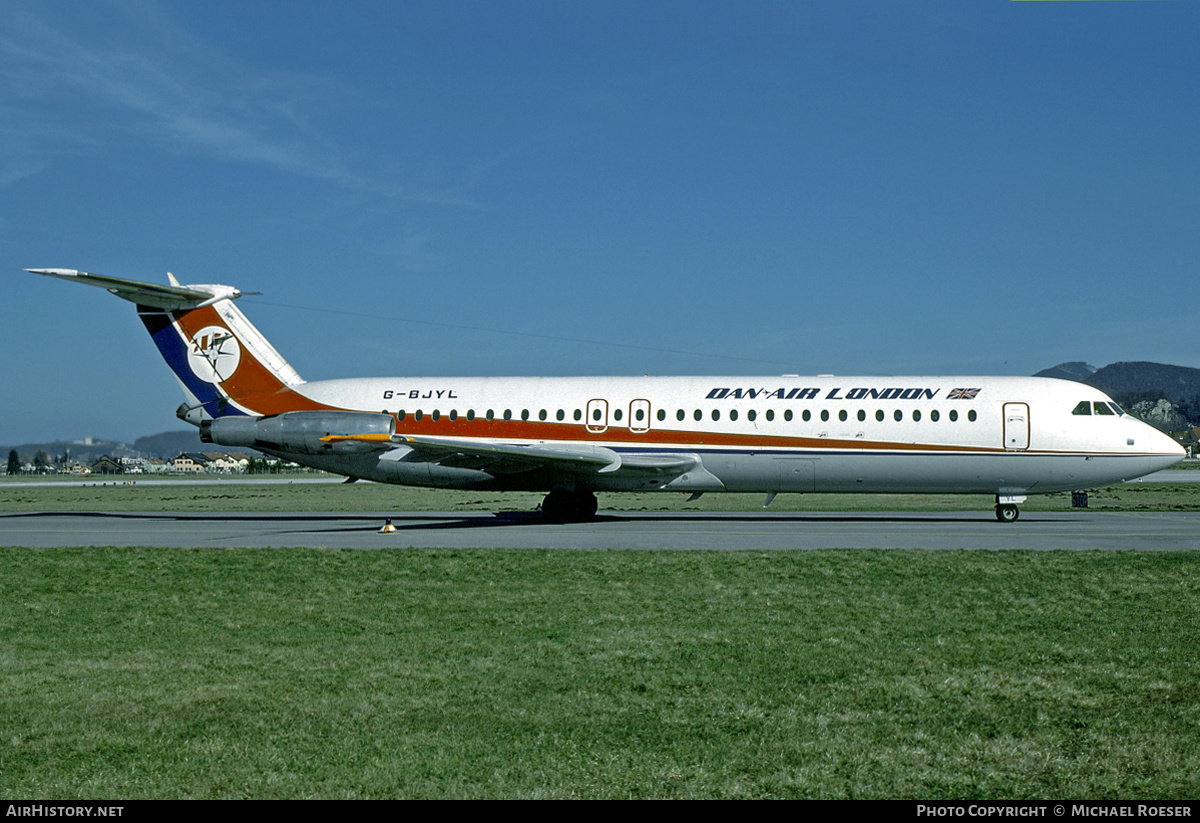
(148, 83)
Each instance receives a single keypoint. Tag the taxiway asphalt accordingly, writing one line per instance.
(1038, 531)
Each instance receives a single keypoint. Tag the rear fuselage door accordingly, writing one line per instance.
(597, 415)
(639, 416)
(1016, 426)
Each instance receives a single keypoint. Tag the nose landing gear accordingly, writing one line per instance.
(1006, 505)
(1008, 513)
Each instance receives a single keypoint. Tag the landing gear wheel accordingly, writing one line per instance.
(556, 505)
(1007, 513)
(562, 506)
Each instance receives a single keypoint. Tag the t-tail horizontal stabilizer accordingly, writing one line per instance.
(171, 298)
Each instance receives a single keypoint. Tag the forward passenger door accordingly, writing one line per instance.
(1016, 426)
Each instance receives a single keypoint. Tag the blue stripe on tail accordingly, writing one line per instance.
(174, 350)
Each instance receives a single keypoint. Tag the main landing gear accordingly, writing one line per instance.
(563, 506)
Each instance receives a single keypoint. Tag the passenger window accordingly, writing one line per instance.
(971, 415)
(751, 415)
(716, 414)
(954, 415)
(578, 415)
(616, 414)
(508, 414)
(417, 415)
(899, 415)
(862, 415)
(491, 415)
(935, 415)
(732, 415)
(400, 414)
(542, 414)
(524, 414)
(437, 415)
(679, 414)
(662, 415)
(806, 415)
(787, 415)
(559, 415)
(879, 415)
(698, 415)
(470, 414)
(916, 415)
(770, 414)
(1084, 407)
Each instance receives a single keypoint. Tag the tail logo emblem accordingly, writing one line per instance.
(214, 354)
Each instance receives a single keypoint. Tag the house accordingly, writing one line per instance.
(193, 462)
(106, 465)
(155, 465)
(227, 463)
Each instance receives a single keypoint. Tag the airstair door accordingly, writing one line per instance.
(1016, 426)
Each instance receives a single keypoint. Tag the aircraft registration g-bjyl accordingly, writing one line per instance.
(574, 436)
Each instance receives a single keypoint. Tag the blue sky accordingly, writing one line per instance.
(472, 188)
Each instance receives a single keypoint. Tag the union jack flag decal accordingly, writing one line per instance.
(963, 394)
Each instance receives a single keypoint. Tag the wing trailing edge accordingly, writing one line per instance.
(576, 458)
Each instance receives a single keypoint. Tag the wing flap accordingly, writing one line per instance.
(503, 457)
(668, 463)
(577, 458)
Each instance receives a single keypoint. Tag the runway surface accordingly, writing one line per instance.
(1165, 476)
(1168, 531)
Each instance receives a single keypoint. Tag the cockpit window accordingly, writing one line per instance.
(1089, 407)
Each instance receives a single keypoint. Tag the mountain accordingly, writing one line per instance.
(1178, 384)
(87, 450)
(1142, 388)
(90, 449)
(1078, 371)
(170, 444)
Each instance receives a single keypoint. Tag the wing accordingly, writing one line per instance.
(508, 458)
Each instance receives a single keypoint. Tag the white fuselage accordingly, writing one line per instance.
(994, 435)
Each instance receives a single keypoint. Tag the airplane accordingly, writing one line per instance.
(574, 436)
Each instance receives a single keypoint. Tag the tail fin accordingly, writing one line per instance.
(223, 363)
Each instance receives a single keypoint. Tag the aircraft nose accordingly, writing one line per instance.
(1159, 450)
(1153, 442)
(1179, 450)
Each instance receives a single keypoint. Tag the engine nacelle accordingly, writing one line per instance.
(297, 432)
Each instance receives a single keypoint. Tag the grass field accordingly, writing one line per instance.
(306, 673)
(129, 673)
